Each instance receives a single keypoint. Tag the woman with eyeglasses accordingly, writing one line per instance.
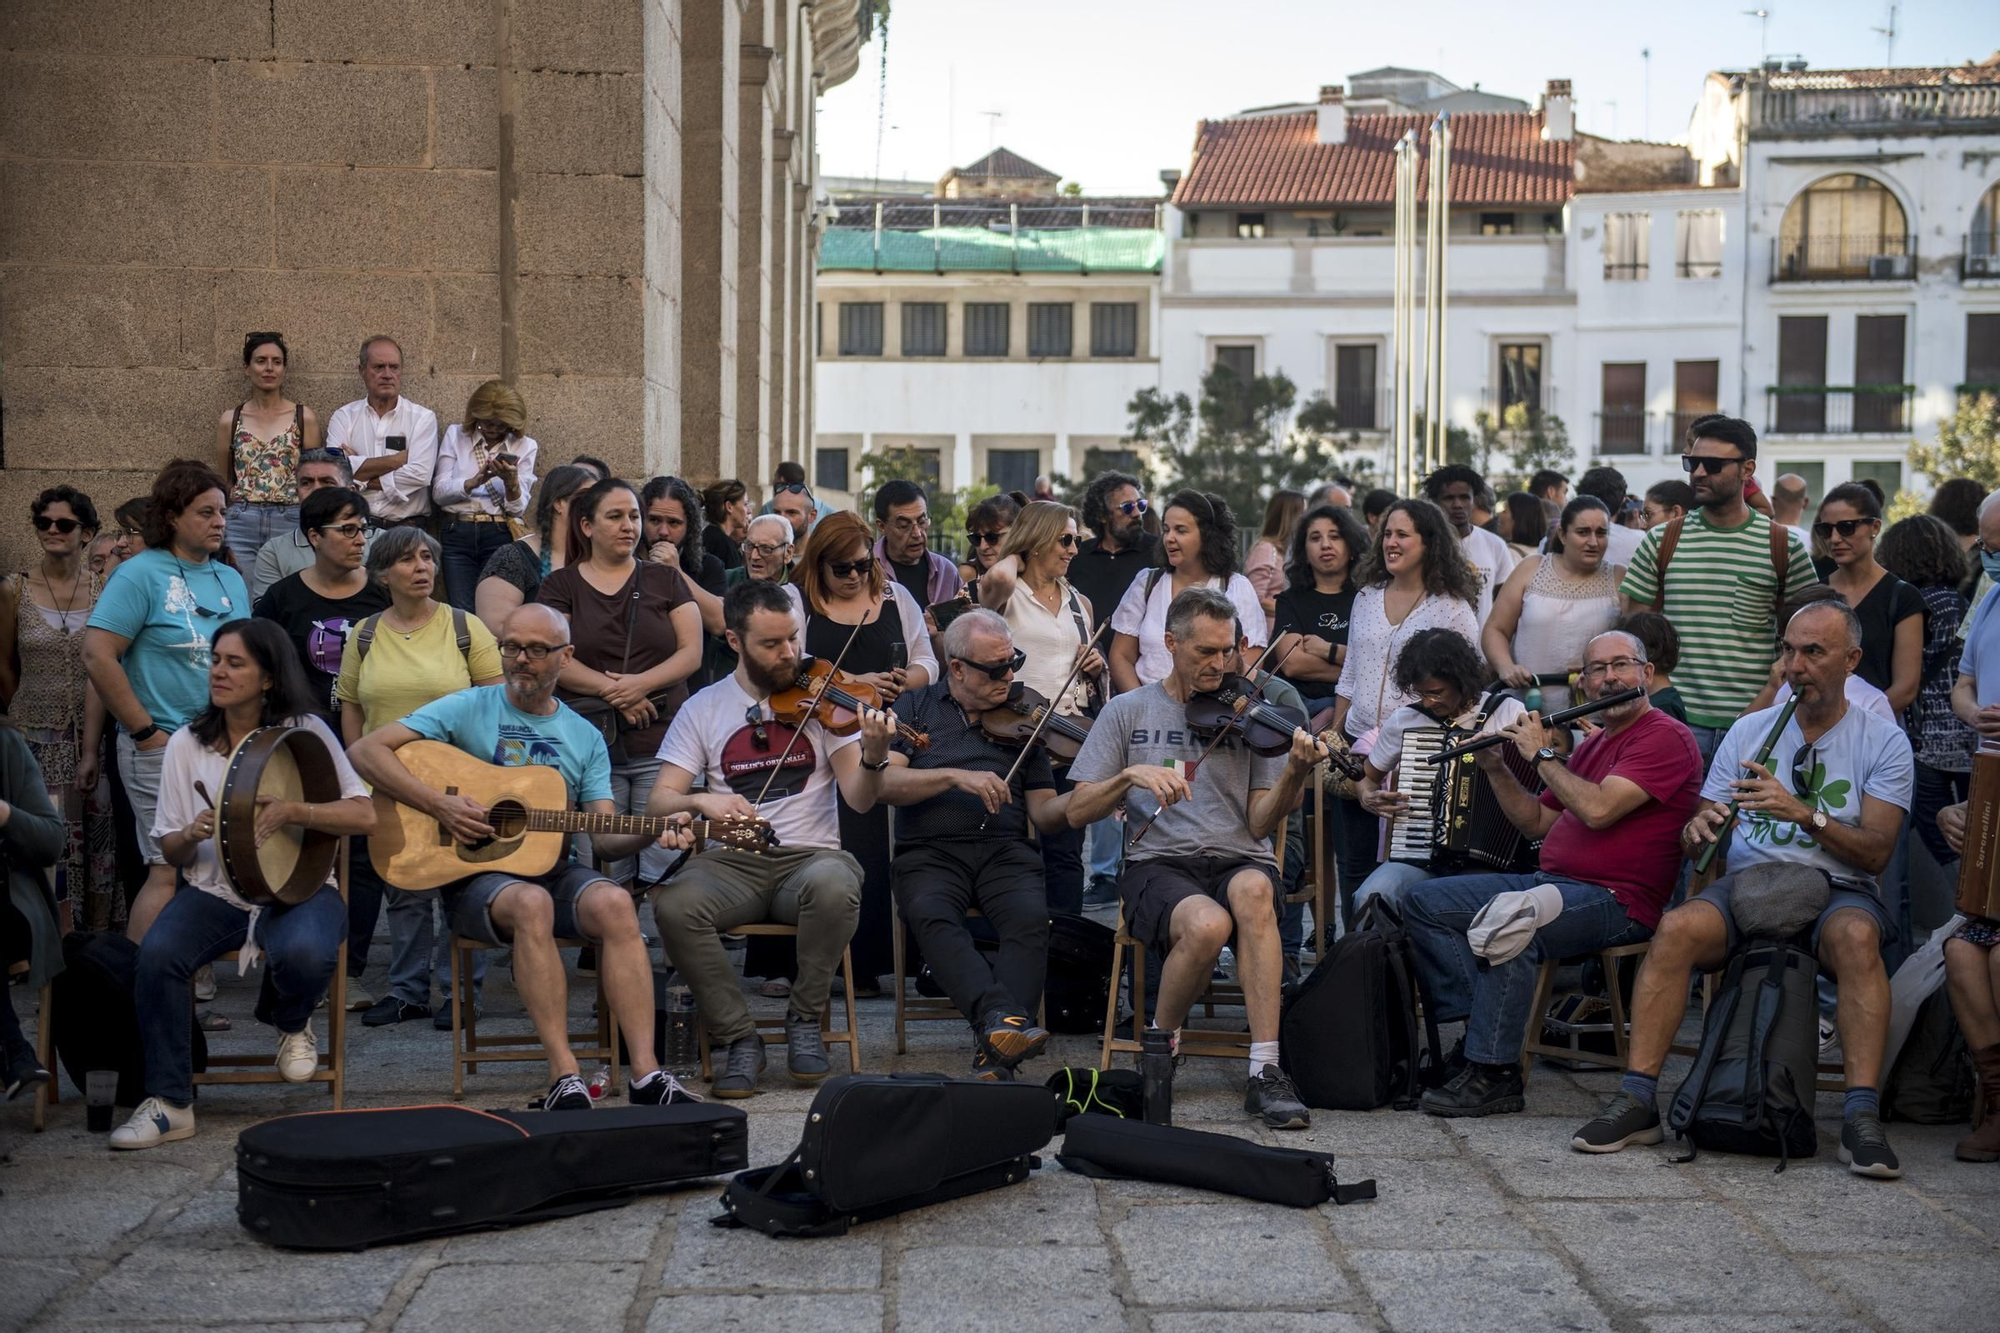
(316, 606)
(129, 534)
(1891, 612)
(637, 633)
(1553, 605)
(413, 652)
(258, 444)
(49, 698)
(848, 610)
(986, 530)
(1028, 584)
(1198, 535)
(485, 472)
(146, 646)
(1265, 565)
(514, 573)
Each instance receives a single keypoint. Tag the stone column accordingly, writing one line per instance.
(759, 90)
(779, 441)
(661, 292)
(711, 36)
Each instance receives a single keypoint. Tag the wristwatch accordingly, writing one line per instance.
(146, 733)
(876, 768)
(1819, 821)
(1544, 755)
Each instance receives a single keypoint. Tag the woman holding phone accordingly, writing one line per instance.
(485, 470)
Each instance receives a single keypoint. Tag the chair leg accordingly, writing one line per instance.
(1111, 1002)
(46, 1093)
(1139, 960)
(1531, 1039)
(336, 1029)
(853, 1025)
(701, 1044)
(457, 1022)
(608, 1021)
(897, 949)
(1617, 997)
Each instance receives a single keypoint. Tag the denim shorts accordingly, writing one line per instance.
(469, 903)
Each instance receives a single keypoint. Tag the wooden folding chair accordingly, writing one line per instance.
(46, 1094)
(772, 1030)
(471, 1049)
(1620, 1026)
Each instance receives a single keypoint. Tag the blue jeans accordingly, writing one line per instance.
(1107, 848)
(1705, 740)
(466, 547)
(1391, 881)
(1062, 861)
(249, 526)
(1936, 789)
(1494, 1000)
(301, 945)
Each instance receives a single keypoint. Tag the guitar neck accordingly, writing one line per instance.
(581, 821)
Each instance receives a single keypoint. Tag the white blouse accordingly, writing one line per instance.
(1367, 676)
(1050, 640)
(461, 454)
(1145, 619)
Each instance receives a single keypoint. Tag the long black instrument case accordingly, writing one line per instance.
(1105, 1147)
(880, 1144)
(344, 1180)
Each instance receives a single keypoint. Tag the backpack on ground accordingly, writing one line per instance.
(1079, 981)
(1348, 1031)
(96, 1024)
(1932, 1081)
(1752, 1085)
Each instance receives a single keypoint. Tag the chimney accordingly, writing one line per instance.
(1558, 112)
(1332, 113)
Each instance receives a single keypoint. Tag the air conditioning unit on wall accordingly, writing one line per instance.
(1886, 267)
(1982, 266)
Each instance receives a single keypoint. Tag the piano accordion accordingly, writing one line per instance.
(1454, 821)
(1979, 859)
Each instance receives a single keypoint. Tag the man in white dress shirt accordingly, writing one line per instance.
(1452, 488)
(393, 441)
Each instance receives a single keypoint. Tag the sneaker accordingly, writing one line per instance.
(441, 1020)
(775, 988)
(567, 1093)
(1272, 1097)
(298, 1054)
(1478, 1090)
(658, 1088)
(204, 983)
(389, 1010)
(1102, 891)
(989, 1068)
(154, 1123)
(741, 1065)
(1864, 1147)
(358, 998)
(1829, 1035)
(1622, 1123)
(1012, 1038)
(20, 1068)
(805, 1049)
(865, 988)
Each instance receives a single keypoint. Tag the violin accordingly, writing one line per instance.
(1265, 727)
(836, 703)
(1014, 723)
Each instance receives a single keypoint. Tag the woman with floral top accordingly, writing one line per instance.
(258, 446)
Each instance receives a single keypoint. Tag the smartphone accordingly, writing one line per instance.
(508, 459)
(943, 613)
(395, 444)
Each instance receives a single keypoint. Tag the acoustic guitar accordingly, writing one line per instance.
(527, 807)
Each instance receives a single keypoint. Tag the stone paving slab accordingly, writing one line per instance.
(529, 1297)
(1227, 1256)
(1713, 1261)
(1418, 1290)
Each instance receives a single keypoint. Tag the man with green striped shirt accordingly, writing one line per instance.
(1721, 580)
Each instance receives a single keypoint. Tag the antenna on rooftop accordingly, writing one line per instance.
(992, 126)
(1646, 60)
(1889, 37)
(1763, 17)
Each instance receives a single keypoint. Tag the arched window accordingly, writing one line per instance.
(1845, 226)
(1982, 241)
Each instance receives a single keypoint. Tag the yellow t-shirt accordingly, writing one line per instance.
(404, 672)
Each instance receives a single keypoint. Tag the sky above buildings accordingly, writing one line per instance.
(1108, 92)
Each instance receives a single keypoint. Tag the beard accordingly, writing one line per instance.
(769, 679)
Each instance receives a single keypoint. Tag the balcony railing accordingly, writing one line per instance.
(1625, 430)
(1846, 110)
(1981, 255)
(1867, 409)
(1843, 259)
(1682, 420)
(1358, 409)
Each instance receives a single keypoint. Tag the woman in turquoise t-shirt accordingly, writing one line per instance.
(146, 646)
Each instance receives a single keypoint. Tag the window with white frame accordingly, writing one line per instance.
(1625, 246)
(1698, 243)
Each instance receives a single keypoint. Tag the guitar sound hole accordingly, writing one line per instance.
(509, 820)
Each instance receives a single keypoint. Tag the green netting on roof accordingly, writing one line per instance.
(1031, 250)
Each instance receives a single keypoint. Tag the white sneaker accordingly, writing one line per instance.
(204, 983)
(154, 1123)
(298, 1054)
(1828, 1036)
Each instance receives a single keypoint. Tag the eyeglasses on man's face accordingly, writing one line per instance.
(996, 670)
(534, 652)
(985, 538)
(762, 550)
(1131, 507)
(1694, 463)
(65, 526)
(1616, 666)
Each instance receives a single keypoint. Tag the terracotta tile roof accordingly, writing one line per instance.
(1947, 76)
(1005, 162)
(1496, 158)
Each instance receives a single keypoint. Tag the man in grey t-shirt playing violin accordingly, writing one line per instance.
(1199, 863)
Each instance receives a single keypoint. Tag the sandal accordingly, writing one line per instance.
(210, 1021)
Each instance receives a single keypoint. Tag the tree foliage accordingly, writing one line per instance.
(1528, 442)
(947, 508)
(1968, 444)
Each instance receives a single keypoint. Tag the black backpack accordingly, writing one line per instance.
(1752, 1085)
(1079, 977)
(1933, 1081)
(96, 1024)
(1349, 1030)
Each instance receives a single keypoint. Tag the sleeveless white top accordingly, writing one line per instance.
(1559, 618)
(1050, 640)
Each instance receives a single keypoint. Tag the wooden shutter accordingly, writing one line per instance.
(1802, 361)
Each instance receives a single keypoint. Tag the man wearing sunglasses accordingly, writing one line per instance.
(1609, 819)
(902, 544)
(962, 841)
(1720, 575)
(1832, 797)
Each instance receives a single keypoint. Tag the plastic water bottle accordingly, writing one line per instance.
(1156, 1075)
(599, 1081)
(683, 1047)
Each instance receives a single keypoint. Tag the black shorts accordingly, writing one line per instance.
(1152, 889)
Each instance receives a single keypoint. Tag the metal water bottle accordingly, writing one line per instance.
(1156, 1075)
(683, 1046)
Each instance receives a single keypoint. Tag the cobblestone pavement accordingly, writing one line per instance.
(1483, 1224)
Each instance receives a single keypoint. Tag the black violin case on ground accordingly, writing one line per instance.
(880, 1144)
(345, 1180)
(1105, 1147)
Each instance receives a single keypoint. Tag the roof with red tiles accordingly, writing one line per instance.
(1008, 164)
(1944, 76)
(1496, 158)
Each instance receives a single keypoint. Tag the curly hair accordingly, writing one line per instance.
(179, 485)
(1923, 552)
(1096, 507)
(1447, 573)
(692, 552)
(1443, 654)
(1352, 532)
(1217, 527)
(1435, 483)
(79, 504)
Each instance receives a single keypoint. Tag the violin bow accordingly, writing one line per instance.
(1236, 717)
(1035, 734)
(812, 708)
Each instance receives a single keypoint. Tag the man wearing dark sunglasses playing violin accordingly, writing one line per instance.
(962, 842)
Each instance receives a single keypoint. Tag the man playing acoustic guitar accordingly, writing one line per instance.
(515, 723)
